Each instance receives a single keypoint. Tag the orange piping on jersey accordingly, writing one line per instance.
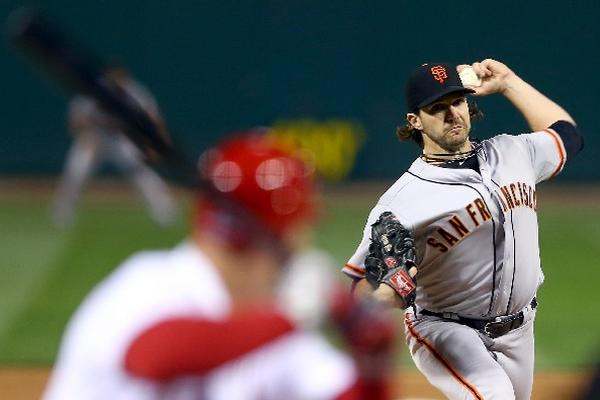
(561, 151)
(441, 359)
(353, 268)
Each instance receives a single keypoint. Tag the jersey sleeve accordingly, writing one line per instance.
(194, 346)
(546, 151)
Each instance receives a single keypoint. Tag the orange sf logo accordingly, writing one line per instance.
(439, 73)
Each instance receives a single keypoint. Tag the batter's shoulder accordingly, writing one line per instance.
(158, 262)
(145, 259)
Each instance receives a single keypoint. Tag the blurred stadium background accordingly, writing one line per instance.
(326, 75)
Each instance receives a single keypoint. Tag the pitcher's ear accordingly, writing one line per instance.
(414, 120)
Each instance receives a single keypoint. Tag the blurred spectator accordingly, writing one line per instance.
(202, 320)
(98, 138)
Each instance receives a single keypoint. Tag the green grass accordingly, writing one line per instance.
(567, 323)
(50, 270)
(46, 272)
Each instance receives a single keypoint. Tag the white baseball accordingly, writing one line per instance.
(469, 77)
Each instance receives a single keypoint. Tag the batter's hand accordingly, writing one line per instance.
(495, 76)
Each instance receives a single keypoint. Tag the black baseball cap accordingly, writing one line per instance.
(430, 82)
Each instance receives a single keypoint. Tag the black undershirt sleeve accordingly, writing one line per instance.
(570, 136)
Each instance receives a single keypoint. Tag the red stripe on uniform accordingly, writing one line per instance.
(561, 151)
(441, 359)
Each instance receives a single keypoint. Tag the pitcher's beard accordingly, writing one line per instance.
(454, 143)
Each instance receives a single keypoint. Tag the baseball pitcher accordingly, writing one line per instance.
(456, 236)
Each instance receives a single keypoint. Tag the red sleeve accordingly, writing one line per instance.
(185, 346)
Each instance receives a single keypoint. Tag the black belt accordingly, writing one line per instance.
(492, 327)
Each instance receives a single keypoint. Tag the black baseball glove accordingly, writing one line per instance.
(391, 256)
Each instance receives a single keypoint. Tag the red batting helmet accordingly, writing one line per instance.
(275, 188)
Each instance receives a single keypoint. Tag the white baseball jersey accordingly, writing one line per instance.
(476, 236)
(154, 286)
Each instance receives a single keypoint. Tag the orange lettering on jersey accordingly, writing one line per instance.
(458, 226)
(471, 213)
(448, 237)
(507, 197)
(523, 192)
(483, 211)
(434, 243)
(512, 190)
(520, 193)
(517, 194)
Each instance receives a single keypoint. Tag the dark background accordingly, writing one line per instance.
(217, 66)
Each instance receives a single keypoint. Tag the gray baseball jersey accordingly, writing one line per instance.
(478, 255)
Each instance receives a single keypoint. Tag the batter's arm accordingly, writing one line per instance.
(539, 111)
